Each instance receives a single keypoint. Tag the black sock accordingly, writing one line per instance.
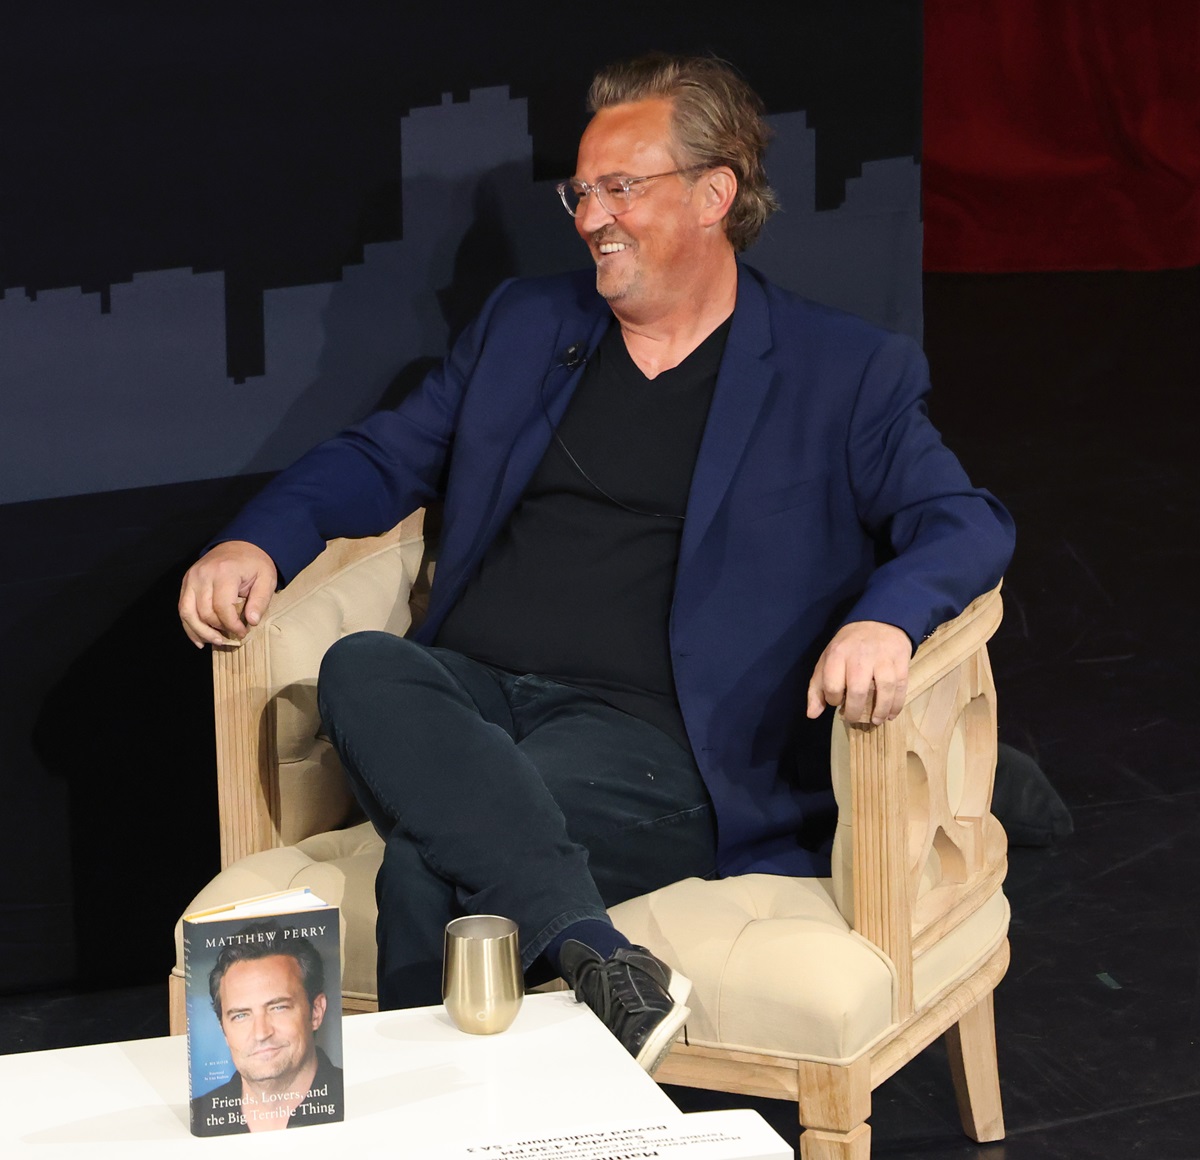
(602, 937)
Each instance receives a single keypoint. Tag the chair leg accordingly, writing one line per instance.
(816, 1144)
(834, 1105)
(971, 1046)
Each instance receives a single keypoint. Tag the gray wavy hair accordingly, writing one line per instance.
(717, 120)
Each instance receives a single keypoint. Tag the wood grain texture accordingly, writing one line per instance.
(717, 1069)
(926, 853)
(912, 1037)
(879, 806)
(247, 768)
(957, 849)
(945, 648)
(248, 791)
(971, 1047)
(833, 1098)
(816, 1144)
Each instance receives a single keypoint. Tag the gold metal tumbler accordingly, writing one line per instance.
(482, 981)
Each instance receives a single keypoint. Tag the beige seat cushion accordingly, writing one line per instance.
(339, 867)
(777, 970)
(774, 965)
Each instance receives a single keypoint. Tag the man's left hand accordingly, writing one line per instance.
(864, 672)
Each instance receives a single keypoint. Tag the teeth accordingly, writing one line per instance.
(611, 247)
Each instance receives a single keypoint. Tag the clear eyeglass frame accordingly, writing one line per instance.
(614, 191)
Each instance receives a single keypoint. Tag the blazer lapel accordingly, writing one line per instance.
(576, 338)
(742, 384)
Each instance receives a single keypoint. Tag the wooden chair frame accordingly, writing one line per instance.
(949, 670)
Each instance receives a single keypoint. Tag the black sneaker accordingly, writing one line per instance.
(637, 996)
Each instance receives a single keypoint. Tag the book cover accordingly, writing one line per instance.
(264, 1014)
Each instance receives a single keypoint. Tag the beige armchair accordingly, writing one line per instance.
(813, 990)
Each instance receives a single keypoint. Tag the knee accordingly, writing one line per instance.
(357, 659)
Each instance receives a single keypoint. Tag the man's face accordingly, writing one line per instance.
(645, 257)
(267, 1018)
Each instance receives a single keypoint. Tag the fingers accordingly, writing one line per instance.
(226, 607)
(258, 598)
(192, 625)
(855, 690)
(195, 611)
(859, 702)
(889, 695)
(864, 672)
(204, 617)
(225, 593)
(828, 683)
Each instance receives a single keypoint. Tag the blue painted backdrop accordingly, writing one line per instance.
(228, 230)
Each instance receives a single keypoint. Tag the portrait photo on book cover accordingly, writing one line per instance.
(265, 1020)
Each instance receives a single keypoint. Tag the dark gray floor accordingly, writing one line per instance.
(1069, 396)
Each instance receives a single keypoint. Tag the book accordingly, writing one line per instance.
(264, 1014)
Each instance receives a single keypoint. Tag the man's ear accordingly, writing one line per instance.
(718, 188)
(318, 1011)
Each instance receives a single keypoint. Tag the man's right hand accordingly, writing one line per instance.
(215, 587)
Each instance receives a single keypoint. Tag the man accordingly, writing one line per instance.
(684, 512)
(269, 997)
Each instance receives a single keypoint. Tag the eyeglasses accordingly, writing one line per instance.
(614, 192)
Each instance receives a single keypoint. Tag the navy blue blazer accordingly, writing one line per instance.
(821, 494)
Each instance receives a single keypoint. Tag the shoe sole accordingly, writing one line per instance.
(658, 1046)
(679, 987)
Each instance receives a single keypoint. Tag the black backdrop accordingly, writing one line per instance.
(226, 230)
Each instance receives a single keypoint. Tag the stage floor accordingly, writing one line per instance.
(1071, 397)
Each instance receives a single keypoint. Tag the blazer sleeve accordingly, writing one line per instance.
(366, 479)
(949, 541)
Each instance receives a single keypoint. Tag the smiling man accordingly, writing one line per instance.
(268, 993)
(684, 513)
(664, 260)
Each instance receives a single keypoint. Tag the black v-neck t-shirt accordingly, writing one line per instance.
(578, 585)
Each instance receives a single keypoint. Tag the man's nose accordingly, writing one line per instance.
(591, 215)
(262, 1025)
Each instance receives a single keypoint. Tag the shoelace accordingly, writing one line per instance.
(620, 991)
(589, 986)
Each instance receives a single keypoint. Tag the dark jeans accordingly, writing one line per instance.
(501, 794)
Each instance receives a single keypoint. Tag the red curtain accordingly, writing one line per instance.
(1062, 134)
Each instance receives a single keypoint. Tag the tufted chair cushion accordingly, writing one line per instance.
(313, 792)
(774, 965)
(776, 969)
(339, 867)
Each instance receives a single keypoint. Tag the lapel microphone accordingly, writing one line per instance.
(575, 355)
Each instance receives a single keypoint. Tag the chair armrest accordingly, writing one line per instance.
(271, 678)
(954, 642)
(914, 797)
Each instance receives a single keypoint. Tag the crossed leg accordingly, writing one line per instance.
(501, 794)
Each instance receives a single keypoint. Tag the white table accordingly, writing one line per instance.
(414, 1084)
